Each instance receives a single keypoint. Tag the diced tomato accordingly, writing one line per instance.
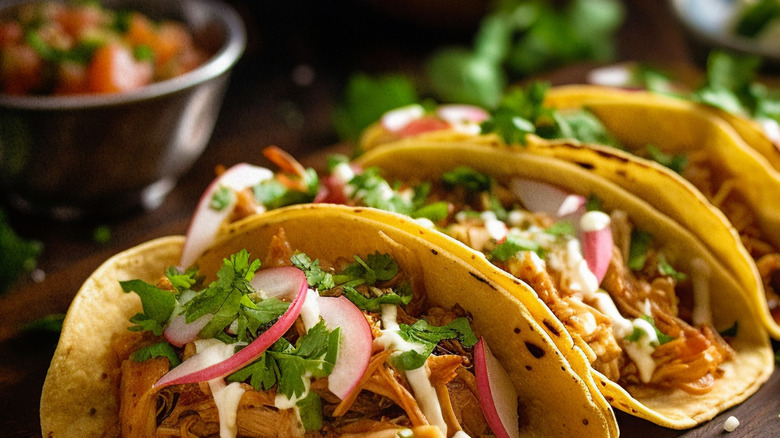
(10, 33)
(113, 69)
(425, 124)
(78, 20)
(72, 79)
(141, 31)
(21, 70)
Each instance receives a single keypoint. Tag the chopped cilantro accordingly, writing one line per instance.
(560, 228)
(402, 296)
(315, 276)
(664, 268)
(158, 305)
(101, 234)
(273, 193)
(222, 298)
(512, 246)
(142, 52)
(366, 98)
(222, 199)
(17, 255)
(594, 203)
(676, 163)
(376, 267)
(470, 179)
(160, 349)
(288, 365)
(638, 248)
(429, 336)
(49, 323)
(521, 112)
(182, 281)
(435, 211)
(756, 16)
(310, 411)
(662, 337)
(584, 126)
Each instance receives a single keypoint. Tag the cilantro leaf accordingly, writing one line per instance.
(401, 297)
(467, 177)
(366, 98)
(513, 244)
(160, 349)
(289, 366)
(315, 276)
(222, 198)
(429, 336)
(676, 163)
(310, 411)
(662, 337)
(435, 211)
(375, 268)
(638, 248)
(274, 194)
(157, 304)
(17, 255)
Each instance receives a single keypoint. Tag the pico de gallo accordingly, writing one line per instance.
(81, 47)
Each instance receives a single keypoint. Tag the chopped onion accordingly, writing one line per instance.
(355, 347)
(212, 363)
(497, 394)
(458, 114)
(542, 197)
(397, 119)
(206, 221)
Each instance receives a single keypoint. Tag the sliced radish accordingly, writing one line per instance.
(206, 220)
(178, 332)
(542, 197)
(597, 242)
(397, 119)
(497, 394)
(280, 282)
(355, 347)
(459, 114)
(219, 360)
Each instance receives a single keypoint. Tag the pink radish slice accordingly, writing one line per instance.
(597, 242)
(458, 114)
(397, 119)
(178, 332)
(496, 392)
(212, 363)
(280, 282)
(355, 346)
(206, 221)
(423, 125)
(542, 197)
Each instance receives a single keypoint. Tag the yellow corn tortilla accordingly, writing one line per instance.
(80, 392)
(675, 126)
(420, 159)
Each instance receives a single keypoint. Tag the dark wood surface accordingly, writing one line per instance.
(264, 106)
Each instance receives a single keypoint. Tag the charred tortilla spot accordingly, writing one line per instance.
(585, 421)
(103, 376)
(434, 252)
(517, 330)
(482, 279)
(611, 156)
(603, 383)
(609, 398)
(535, 350)
(528, 367)
(551, 328)
(588, 166)
(92, 411)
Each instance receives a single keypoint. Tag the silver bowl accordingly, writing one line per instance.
(86, 156)
(709, 25)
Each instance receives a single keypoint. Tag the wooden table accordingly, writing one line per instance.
(264, 106)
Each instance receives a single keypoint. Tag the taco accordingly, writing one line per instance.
(364, 296)
(604, 129)
(735, 178)
(670, 333)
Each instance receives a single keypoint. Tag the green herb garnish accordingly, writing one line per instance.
(429, 336)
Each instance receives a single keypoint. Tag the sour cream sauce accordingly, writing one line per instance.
(417, 378)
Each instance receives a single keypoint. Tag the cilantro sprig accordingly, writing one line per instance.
(637, 334)
(429, 336)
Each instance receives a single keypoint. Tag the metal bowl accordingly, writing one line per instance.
(709, 25)
(85, 156)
